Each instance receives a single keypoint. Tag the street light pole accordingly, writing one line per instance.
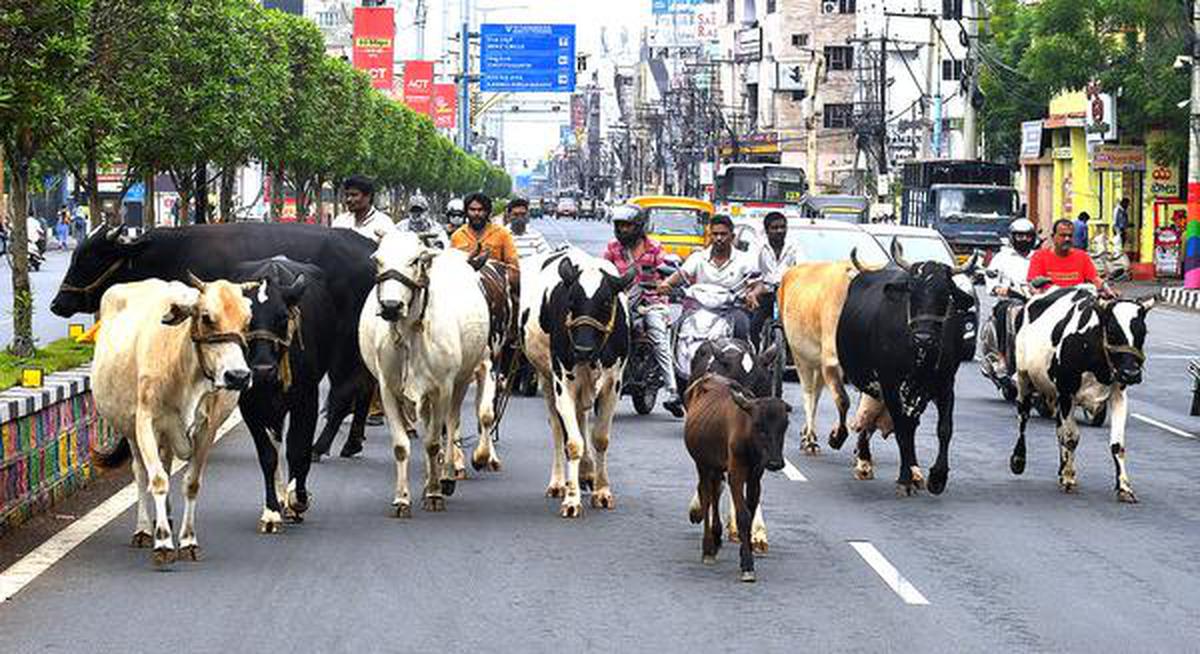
(464, 81)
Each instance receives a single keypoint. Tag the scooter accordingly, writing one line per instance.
(1112, 264)
(705, 317)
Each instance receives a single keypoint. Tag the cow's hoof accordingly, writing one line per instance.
(434, 504)
(1126, 495)
(837, 437)
(937, 480)
(296, 504)
(1016, 463)
(189, 553)
(448, 487)
(269, 527)
(403, 511)
(709, 559)
(918, 478)
(906, 489)
(351, 448)
(810, 447)
(556, 490)
(695, 514)
(863, 470)
(748, 576)
(494, 465)
(571, 511)
(759, 544)
(1067, 486)
(603, 499)
(141, 540)
(163, 557)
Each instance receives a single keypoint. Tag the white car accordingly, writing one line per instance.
(819, 239)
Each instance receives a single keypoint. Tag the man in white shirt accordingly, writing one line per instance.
(721, 265)
(529, 241)
(775, 257)
(361, 214)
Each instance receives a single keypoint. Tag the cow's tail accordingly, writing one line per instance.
(112, 458)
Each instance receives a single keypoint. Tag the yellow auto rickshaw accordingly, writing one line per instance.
(679, 223)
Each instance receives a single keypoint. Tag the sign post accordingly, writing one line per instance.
(527, 58)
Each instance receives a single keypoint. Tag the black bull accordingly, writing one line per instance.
(106, 257)
(899, 338)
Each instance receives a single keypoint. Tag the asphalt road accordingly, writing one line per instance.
(1004, 563)
(47, 327)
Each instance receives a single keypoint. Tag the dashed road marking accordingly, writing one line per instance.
(792, 472)
(1177, 357)
(21, 573)
(888, 572)
(1164, 426)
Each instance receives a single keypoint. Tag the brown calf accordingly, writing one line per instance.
(731, 434)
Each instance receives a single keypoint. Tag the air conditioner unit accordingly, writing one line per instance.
(829, 7)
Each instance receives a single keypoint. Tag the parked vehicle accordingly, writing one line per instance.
(680, 224)
(925, 244)
(970, 203)
(845, 208)
(818, 240)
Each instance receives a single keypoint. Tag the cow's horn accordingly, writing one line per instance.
(970, 266)
(740, 399)
(194, 281)
(860, 265)
(898, 255)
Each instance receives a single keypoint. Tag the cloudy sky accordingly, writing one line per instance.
(528, 136)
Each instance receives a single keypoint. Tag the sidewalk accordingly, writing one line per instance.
(1170, 291)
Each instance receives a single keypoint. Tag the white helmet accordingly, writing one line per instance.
(1022, 226)
(418, 202)
(455, 206)
(1022, 235)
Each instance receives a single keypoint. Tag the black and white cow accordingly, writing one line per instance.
(1074, 347)
(899, 338)
(575, 330)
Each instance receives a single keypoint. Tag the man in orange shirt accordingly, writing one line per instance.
(481, 234)
(1063, 264)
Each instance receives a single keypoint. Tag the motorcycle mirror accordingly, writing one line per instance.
(742, 246)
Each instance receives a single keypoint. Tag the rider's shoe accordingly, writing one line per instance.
(674, 405)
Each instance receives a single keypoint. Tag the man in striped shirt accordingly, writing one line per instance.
(529, 241)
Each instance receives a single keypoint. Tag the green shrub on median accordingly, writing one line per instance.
(62, 354)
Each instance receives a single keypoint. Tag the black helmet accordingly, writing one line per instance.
(629, 214)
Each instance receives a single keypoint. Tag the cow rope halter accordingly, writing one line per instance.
(1109, 349)
(574, 321)
(413, 285)
(293, 331)
(199, 339)
(86, 291)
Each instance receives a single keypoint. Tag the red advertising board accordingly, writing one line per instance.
(445, 105)
(418, 86)
(374, 44)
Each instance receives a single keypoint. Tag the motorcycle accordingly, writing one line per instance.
(1112, 264)
(705, 317)
(643, 377)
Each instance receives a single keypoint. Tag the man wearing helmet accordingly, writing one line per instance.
(455, 216)
(633, 248)
(419, 222)
(1007, 272)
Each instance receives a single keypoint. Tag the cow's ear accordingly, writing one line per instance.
(767, 356)
(179, 312)
(568, 272)
(295, 291)
(621, 283)
(1147, 303)
(740, 399)
(896, 291)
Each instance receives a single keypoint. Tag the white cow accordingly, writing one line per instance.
(575, 331)
(423, 334)
(167, 366)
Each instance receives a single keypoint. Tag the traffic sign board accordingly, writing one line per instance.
(527, 58)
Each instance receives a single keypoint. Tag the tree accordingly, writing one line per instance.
(43, 49)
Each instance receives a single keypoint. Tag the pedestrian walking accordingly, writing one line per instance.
(62, 227)
(1079, 237)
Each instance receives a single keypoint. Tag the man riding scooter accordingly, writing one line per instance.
(633, 248)
(1005, 278)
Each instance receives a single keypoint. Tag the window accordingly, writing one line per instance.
(798, 96)
(952, 9)
(752, 104)
(952, 70)
(847, 6)
(770, 6)
(800, 40)
(838, 116)
(328, 18)
(729, 11)
(839, 57)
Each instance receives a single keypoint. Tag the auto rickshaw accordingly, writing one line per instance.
(680, 224)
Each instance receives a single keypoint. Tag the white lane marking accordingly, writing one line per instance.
(1164, 426)
(21, 573)
(1178, 357)
(888, 573)
(1182, 346)
(792, 472)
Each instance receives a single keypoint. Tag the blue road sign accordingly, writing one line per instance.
(527, 58)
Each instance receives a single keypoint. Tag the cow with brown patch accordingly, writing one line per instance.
(729, 434)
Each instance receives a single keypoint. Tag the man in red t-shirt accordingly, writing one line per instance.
(1064, 265)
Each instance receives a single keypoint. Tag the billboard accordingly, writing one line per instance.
(527, 58)
(374, 44)
(418, 86)
(445, 105)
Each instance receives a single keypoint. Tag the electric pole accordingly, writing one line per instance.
(464, 81)
(970, 125)
(419, 23)
(1193, 206)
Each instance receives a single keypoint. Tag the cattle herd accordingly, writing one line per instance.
(196, 321)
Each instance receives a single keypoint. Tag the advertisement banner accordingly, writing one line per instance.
(1031, 139)
(374, 44)
(418, 86)
(445, 105)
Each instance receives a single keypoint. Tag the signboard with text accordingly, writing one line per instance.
(1031, 139)
(527, 58)
(374, 44)
(1119, 157)
(445, 105)
(418, 86)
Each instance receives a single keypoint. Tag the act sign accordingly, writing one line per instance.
(527, 58)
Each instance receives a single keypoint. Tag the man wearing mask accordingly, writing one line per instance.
(455, 216)
(633, 248)
(420, 223)
(775, 257)
(361, 214)
(480, 234)
(528, 241)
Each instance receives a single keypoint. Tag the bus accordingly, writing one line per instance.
(749, 191)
